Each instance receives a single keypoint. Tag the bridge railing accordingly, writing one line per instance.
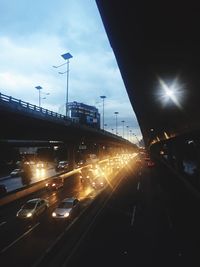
(28, 106)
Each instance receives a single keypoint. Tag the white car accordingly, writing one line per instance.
(66, 208)
(32, 208)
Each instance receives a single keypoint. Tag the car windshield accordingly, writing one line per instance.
(29, 205)
(65, 205)
(16, 170)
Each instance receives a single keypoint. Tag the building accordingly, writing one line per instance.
(84, 114)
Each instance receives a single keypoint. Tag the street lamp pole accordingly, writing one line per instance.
(103, 98)
(127, 132)
(39, 88)
(137, 139)
(130, 131)
(67, 57)
(116, 113)
(123, 127)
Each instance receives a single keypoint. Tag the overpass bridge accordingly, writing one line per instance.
(23, 121)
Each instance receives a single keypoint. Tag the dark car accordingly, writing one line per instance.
(3, 189)
(62, 165)
(98, 183)
(55, 183)
(86, 175)
(150, 163)
(16, 173)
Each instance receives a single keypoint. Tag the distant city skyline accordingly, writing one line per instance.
(34, 35)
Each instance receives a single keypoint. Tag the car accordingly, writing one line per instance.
(85, 174)
(66, 209)
(40, 165)
(79, 164)
(55, 183)
(16, 172)
(98, 183)
(62, 165)
(3, 190)
(150, 163)
(32, 209)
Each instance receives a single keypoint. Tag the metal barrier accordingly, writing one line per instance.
(30, 107)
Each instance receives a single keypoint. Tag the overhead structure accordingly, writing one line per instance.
(157, 47)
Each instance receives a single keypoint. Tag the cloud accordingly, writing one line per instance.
(31, 45)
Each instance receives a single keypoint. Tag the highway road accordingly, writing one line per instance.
(13, 183)
(145, 217)
(24, 243)
(150, 219)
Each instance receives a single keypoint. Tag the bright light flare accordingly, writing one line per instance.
(174, 92)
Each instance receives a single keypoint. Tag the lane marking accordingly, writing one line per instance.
(138, 186)
(133, 215)
(15, 241)
(2, 223)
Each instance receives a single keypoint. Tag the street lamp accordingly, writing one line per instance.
(130, 131)
(39, 88)
(123, 127)
(127, 132)
(67, 57)
(103, 98)
(43, 97)
(116, 113)
(137, 139)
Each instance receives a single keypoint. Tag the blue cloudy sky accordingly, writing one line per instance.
(33, 35)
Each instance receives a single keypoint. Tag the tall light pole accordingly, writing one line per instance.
(130, 131)
(39, 88)
(127, 132)
(123, 127)
(67, 57)
(116, 113)
(103, 98)
(43, 97)
(137, 139)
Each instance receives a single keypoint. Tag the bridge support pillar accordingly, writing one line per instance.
(71, 156)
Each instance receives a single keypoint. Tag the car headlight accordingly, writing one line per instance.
(66, 214)
(53, 214)
(29, 215)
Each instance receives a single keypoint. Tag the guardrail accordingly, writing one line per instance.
(28, 106)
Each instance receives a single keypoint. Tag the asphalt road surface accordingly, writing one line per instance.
(150, 219)
(145, 217)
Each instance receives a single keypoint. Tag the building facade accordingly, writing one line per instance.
(84, 114)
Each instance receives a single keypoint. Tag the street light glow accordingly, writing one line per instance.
(173, 92)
